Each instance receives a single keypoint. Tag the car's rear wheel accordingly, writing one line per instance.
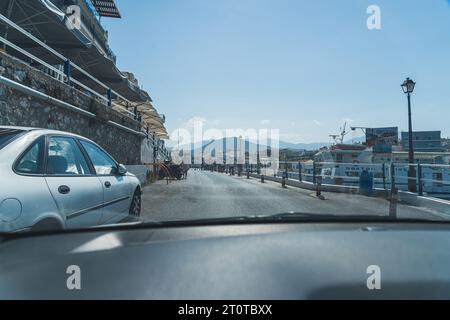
(135, 208)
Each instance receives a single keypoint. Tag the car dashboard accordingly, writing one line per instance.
(237, 261)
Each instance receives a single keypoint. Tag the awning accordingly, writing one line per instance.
(154, 120)
(150, 116)
(106, 8)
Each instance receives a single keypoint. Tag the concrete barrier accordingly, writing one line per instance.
(438, 205)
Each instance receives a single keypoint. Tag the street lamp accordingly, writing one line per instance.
(408, 88)
(240, 160)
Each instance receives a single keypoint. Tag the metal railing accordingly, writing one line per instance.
(429, 179)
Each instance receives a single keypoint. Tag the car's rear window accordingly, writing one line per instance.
(8, 135)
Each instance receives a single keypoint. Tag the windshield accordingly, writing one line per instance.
(223, 111)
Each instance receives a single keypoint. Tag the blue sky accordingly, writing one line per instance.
(298, 66)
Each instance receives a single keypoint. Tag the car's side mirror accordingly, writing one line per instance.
(121, 170)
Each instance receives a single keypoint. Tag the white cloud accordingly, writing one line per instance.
(317, 123)
(265, 122)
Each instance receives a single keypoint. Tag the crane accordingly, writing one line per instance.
(339, 138)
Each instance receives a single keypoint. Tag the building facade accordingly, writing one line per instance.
(423, 141)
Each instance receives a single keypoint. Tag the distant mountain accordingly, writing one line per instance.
(283, 144)
(303, 146)
(315, 145)
(356, 140)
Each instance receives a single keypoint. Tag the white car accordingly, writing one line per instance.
(57, 180)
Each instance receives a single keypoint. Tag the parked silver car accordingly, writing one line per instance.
(57, 180)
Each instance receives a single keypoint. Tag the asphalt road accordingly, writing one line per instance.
(207, 195)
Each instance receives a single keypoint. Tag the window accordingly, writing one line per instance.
(65, 157)
(31, 161)
(103, 164)
(6, 136)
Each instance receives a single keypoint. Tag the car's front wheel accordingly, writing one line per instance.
(135, 208)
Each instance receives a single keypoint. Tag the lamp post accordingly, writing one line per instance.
(408, 88)
(240, 166)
